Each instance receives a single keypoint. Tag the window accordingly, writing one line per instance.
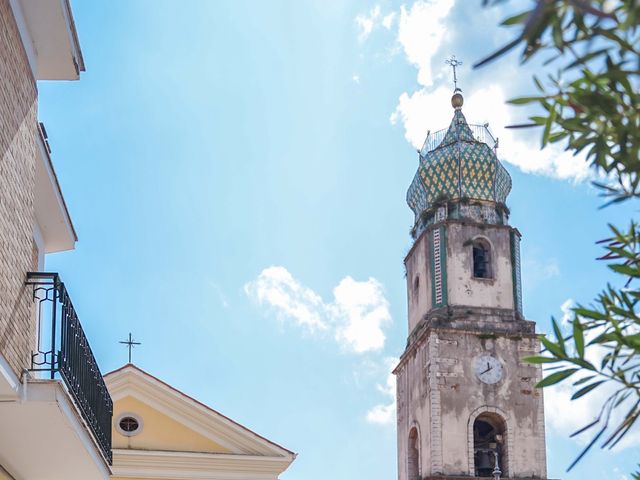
(481, 259)
(413, 455)
(489, 433)
(129, 424)
(416, 285)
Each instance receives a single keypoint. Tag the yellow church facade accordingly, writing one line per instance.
(162, 433)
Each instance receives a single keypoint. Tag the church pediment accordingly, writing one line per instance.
(170, 420)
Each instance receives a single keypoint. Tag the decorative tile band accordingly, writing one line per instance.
(438, 267)
(515, 266)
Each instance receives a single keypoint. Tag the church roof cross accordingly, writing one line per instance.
(130, 344)
(454, 62)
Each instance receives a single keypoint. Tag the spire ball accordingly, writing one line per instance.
(457, 100)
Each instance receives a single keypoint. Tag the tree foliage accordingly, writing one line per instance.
(589, 100)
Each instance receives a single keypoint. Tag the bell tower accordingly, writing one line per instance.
(467, 405)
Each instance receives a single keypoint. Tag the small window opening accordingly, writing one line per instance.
(129, 424)
(489, 445)
(416, 284)
(481, 260)
(413, 469)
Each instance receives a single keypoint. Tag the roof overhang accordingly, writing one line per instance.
(50, 38)
(51, 211)
(44, 437)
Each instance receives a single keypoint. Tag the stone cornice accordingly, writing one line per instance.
(186, 465)
(436, 322)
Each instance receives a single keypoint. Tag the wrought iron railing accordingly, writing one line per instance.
(63, 349)
(481, 134)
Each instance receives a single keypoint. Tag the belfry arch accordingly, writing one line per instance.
(489, 432)
(413, 455)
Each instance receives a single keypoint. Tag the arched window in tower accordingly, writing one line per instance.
(481, 259)
(413, 455)
(489, 445)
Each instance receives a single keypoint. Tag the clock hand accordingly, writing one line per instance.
(489, 367)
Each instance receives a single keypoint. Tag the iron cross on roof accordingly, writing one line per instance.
(454, 62)
(130, 344)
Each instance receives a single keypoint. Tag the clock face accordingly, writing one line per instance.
(488, 369)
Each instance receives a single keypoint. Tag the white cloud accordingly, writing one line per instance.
(421, 29)
(426, 108)
(355, 318)
(567, 313)
(356, 78)
(421, 34)
(360, 311)
(276, 288)
(387, 20)
(385, 413)
(366, 22)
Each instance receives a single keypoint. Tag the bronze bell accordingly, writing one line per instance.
(485, 460)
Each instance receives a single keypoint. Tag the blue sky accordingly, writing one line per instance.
(236, 172)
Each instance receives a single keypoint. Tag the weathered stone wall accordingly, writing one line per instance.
(439, 391)
(463, 288)
(414, 410)
(18, 110)
(514, 398)
(418, 268)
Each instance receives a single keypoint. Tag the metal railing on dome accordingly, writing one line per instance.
(481, 134)
(64, 350)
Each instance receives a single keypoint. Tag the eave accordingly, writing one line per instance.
(50, 38)
(51, 211)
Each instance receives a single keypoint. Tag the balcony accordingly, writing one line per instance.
(57, 424)
(481, 134)
(63, 410)
(64, 351)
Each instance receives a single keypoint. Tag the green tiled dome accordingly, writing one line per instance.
(461, 166)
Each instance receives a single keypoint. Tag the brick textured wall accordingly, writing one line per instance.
(18, 110)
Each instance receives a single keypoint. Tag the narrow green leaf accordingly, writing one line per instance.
(557, 331)
(555, 350)
(584, 312)
(538, 360)
(583, 380)
(587, 389)
(499, 52)
(556, 377)
(524, 100)
(625, 270)
(520, 18)
(578, 337)
(547, 127)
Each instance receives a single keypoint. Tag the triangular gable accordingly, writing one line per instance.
(214, 430)
(158, 431)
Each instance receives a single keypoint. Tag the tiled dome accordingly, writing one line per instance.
(461, 166)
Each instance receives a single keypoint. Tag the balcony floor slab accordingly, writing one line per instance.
(43, 437)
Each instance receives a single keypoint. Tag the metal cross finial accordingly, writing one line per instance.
(454, 62)
(130, 343)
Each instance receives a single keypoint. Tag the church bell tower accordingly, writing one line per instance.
(467, 403)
